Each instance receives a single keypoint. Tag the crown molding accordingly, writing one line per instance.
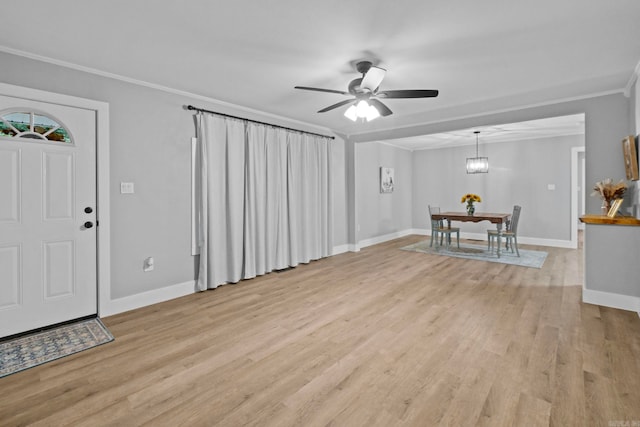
(383, 142)
(155, 86)
(632, 80)
(626, 91)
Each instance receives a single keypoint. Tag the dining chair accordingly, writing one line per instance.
(510, 234)
(438, 228)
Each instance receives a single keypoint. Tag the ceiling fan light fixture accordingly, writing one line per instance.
(351, 113)
(477, 164)
(363, 111)
(366, 95)
(372, 113)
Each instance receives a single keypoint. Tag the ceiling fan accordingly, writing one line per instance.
(365, 89)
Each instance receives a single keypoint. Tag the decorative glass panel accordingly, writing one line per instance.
(21, 124)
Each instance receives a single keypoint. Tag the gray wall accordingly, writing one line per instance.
(378, 213)
(584, 191)
(611, 251)
(611, 264)
(519, 173)
(340, 197)
(608, 119)
(634, 189)
(150, 134)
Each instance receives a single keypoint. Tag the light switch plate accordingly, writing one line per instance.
(126, 188)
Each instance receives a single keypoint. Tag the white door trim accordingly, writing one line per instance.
(102, 165)
(575, 183)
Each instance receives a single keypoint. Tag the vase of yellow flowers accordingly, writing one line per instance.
(608, 192)
(470, 199)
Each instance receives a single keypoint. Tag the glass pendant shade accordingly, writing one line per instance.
(477, 164)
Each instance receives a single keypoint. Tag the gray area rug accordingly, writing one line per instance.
(534, 259)
(40, 347)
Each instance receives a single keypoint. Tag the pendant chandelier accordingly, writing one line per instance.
(477, 164)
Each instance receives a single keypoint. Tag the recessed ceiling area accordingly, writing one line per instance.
(527, 130)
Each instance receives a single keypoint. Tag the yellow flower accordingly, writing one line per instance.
(470, 198)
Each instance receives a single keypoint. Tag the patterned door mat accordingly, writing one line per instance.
(31, 350)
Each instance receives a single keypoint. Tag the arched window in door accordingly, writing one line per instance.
(33, 125)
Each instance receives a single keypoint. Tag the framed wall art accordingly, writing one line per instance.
(630, 157)
(386, 180)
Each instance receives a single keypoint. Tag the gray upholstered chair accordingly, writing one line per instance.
(438, 228)
(510, 234)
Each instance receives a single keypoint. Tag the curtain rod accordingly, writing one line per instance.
(191, 107)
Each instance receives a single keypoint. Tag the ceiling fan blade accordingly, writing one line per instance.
(317, 89)
(408, 93)
(382, 109)
(372, 79)
(339, 104)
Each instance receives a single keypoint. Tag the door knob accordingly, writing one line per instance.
(88, 224)
(88, 210)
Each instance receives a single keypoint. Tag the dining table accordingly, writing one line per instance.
(495, 218)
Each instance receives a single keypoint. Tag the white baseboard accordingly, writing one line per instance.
(524, 240)
(471, 236)
(547, 242)
(609, 299)
(144, 299)
(120, 305)
(384, 238)
(337, 250)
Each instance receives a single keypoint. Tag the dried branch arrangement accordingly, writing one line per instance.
(609, 191)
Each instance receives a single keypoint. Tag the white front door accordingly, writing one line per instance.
(47, 215)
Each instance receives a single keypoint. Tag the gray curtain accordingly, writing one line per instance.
(264, 199)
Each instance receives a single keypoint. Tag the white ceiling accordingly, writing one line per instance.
(480, 54)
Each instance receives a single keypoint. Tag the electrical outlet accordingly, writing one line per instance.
(147, 264)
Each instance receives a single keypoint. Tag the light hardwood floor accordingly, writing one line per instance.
(382, 337)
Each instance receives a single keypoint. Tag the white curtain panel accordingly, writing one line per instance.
(265, 225)
(221, 201)
(309, 206)
(265, 199)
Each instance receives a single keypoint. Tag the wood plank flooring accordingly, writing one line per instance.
(382, 337)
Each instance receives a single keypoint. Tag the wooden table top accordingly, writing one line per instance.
(495, 218)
